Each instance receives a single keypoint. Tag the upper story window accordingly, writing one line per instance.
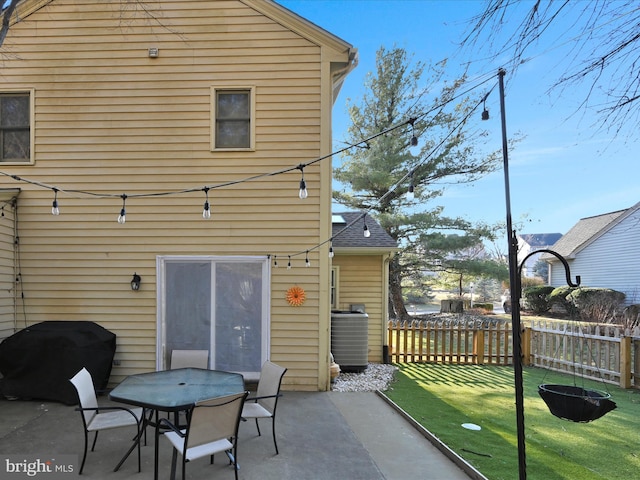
(15, 127)
(233, 114)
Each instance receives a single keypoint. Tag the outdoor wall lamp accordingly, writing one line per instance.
(135, 282)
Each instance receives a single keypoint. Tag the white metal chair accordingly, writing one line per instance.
(264, 403)
(95, 418)
(189, 359)
(212, 428)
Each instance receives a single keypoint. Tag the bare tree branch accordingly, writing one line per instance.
(604, 45)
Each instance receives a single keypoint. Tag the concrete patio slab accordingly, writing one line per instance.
(321, 435)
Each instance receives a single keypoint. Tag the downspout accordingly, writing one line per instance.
(17, 278)
(386, 260)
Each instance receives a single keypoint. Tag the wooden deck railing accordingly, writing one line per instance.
(603, 353)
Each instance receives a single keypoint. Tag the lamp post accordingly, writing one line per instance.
(471, 288)
(514, 282)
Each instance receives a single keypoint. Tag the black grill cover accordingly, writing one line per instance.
(38, 362)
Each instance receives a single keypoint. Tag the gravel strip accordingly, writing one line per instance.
(374, 377)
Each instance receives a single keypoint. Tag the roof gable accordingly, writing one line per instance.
(268, 8)
(26, 8)
(588, 229)
(298, 24)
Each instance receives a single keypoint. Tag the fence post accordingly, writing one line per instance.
(478, 346)
(625, 362)
(525, 338)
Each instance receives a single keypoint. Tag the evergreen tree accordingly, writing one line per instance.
(372, 175)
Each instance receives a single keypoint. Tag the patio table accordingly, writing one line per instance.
(174, 391)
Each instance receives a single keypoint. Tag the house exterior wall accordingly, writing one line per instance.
(108, 119)
(362, 279)
(610, 261)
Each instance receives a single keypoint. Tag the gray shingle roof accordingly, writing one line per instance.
(582, 232)
(353, 237)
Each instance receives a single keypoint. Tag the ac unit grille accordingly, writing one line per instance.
(349, 340)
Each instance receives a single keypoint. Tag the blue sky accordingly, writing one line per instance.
(563, 170)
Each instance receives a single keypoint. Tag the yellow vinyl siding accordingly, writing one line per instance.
(111, 120)
(361, 281)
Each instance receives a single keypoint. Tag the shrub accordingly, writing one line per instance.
(597, 304)
(487, 307)
(537, 298)
(559, 296)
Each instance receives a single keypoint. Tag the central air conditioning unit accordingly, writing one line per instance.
(349, 340)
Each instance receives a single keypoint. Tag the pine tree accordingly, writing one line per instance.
(377, 174)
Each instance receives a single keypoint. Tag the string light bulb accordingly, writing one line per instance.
(275, 261)
(307, 263)
(485, 112)
(331, 249)
(414, 139)
(366, 231)
(122, 218)
(206, 212)
(54, 208)
(302, 193)
(289, 263)
(410, 192)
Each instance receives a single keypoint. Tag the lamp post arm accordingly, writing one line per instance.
(565, 264)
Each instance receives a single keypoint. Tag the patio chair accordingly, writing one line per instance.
(264, 403)
(189, 359)
(212, 428)
(95, 419)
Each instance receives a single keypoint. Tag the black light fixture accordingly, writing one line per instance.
(414, 139)
(485, 112)
(135, 282)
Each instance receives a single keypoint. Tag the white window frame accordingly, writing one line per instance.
(31, 93)
(265, 337)
(251, 90)
(334, 287)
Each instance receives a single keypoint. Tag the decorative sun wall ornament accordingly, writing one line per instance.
(296, 296)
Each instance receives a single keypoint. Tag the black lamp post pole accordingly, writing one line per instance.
(514, 284)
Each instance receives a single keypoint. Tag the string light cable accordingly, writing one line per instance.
(390, 191)
(300, 167)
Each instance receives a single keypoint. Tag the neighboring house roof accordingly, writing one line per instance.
(586, 231)
(353, 237)
(540, 240)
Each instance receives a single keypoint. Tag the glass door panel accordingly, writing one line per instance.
(238, 316)
(219, 304)
(187, 307)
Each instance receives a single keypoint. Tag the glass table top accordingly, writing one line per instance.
(172, 390)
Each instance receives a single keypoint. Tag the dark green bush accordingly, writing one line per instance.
(588, 303)
(537, 298)
(559, 296)
(488, 307)
(597, 304)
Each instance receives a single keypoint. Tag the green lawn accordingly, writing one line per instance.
(443, 397)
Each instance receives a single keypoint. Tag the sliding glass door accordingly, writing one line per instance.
(219, 304)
